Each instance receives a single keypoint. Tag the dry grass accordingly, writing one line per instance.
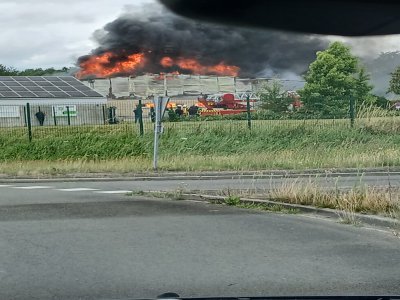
(360, 199)
(285, 159)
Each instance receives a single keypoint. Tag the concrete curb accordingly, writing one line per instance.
(372, 220)
(200, 175)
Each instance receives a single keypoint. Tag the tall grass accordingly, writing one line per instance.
(361, 199)
(218, 145)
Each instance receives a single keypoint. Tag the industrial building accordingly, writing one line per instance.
(179, 86)
(62, 100)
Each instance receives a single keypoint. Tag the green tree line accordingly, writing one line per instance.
(331, 81)
(10, 71)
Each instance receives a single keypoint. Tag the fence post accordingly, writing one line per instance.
(68, 116)
(248, 112)
(54, 116)
(352, 111)
(28, 118)
(140, 112)
(25, 120)
(104, 114)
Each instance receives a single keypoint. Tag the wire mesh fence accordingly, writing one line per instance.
(36, 121)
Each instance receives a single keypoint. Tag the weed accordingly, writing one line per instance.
(232, 200)
(136, 193)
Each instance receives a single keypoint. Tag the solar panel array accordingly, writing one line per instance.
(44, 87)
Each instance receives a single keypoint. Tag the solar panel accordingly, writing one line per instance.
(76, 94)
(44, 87)
(19, 89)
(27, 83)
(44, 83)
(19, 78)
(27, 95)
(83, 89)
(44, 94)
(68, 89)
(35, 88)
(11, 83)
(9, 94)
(69, 79)
(52, 89)
(35, 78)
(61, 83)
(52, 78)
(60, 95)
(6, 78)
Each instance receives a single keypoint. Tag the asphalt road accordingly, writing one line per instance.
(260, 184)
(87, 240)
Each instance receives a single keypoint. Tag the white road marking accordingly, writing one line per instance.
(77, 189)
(33, 187)
(113, 192)
(5, 185)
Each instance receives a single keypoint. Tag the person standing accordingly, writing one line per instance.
(40, 116)
(136, 113)
(152, 114)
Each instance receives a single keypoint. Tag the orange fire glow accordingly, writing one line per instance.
(102, 65)
(196, 68)
(110, 64)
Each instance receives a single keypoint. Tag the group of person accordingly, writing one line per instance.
(184, 111)
(173, 114)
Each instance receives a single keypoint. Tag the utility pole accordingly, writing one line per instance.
(159, 105)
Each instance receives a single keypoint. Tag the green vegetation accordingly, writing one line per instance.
(274, 98)
(202, 146)
(394, 84)
(332, 79)
(10, 71)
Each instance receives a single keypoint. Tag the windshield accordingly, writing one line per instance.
(144, 153)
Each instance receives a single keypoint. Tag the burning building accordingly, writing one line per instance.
(151, 40)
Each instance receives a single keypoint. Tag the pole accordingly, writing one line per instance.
(54, 116)
(140, 112)
(104, 114)
(25, 120)
(248, 112)
(68, 116)
(352, 111)
(28, 118)
(157, 130)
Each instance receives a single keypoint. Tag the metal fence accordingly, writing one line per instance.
(36, 121)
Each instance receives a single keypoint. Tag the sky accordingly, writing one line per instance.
(54, 33)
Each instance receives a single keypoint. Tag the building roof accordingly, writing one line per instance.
(45, 87)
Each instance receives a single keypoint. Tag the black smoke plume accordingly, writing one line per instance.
(157, 32)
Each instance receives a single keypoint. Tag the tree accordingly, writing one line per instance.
(394, 84)
(332, 79)
(274, 98)
(363, 88)
(10, 71)
(7, 71)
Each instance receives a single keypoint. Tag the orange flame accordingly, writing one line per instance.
(197, 68)
(103, 66)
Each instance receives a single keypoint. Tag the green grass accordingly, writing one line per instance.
(203, 146)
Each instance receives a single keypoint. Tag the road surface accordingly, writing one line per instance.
(212, 184)
(88, 240)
